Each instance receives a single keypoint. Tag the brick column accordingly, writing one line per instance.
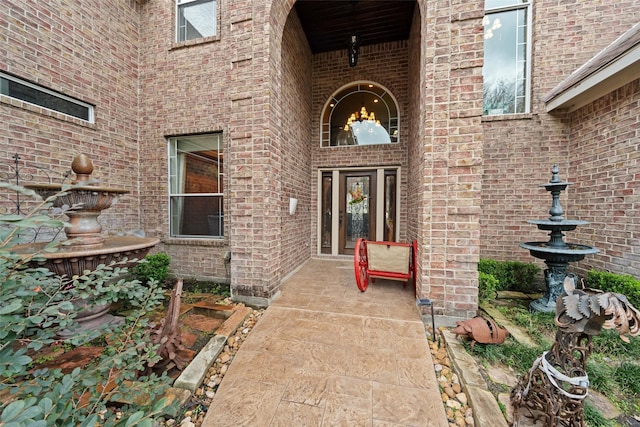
(452, 168)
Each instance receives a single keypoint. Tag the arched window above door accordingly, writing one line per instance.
(360, 113)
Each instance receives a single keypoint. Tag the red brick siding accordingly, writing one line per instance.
(87, 50)
(468, 184)
(296, 178)
(452, 167)
(605, 141)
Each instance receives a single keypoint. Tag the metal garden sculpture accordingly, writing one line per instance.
(556, 385)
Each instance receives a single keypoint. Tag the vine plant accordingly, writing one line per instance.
(35, 305)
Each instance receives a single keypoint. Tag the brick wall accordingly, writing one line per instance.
(240, 83)
(192, 88)
(604, 141)
(87, 50)
(295, 131)
(468, 184)
(519, 152)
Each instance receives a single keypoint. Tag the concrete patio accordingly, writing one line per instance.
(326, 354)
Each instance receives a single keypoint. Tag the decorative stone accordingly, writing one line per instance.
(453, 404)
(462, 398)
(449, 392)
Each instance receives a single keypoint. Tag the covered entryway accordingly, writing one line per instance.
(331, 94)
(357, 203)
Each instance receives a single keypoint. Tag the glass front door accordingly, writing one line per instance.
(356, 204)
(357, 217)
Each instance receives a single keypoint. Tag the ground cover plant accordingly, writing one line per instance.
(511, 275)
(35, 305)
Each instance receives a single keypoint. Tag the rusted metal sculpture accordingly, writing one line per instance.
(171, 350)
(556, 385)
(482, 330)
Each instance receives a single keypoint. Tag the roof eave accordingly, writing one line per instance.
(615, 66)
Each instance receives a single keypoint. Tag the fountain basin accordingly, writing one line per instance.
(85, 203)
(554, 225)
(569, 252)
(71, 260)
(91, 197)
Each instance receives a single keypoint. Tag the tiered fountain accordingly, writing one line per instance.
(556, 253)
(87, 247)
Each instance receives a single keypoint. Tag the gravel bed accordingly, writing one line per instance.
(454, 398)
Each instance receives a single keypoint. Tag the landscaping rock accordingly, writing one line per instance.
(603, 405)
(502, 376)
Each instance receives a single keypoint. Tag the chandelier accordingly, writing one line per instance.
(360, 116)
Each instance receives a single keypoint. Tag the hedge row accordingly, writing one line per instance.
(619, 283)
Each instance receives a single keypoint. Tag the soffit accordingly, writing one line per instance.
(328, 24)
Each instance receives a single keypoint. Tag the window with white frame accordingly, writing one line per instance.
(196, 186)
(507, 52)
(31, 93)
(195, 19)
(360, 113)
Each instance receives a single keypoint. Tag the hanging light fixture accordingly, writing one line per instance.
(360, 116)
(354, 50)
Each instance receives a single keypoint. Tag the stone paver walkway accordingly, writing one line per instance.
(326, 354)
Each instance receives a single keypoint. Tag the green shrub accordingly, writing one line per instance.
(511, 275)
(487, 286)
(511, 353)
(35, 305)
(619, 283)
(154, 267)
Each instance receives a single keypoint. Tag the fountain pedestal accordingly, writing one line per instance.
(87, 247)
(556, 253)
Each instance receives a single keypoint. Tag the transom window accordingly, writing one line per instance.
(23, 90)
(507, 52)
(196, 186)
(362, 113)
(195, 19)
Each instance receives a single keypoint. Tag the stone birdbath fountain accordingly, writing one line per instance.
(556, 253)
(87, 247)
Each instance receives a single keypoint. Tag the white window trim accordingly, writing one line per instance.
(89, 107)
(176, 39)
(222, 177)
(529, 50)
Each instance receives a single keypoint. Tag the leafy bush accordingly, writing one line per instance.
(487, 286)
(619, 283)
(511, 275)
(35, 305)
(154, 267)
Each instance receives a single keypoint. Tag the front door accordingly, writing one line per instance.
(357, 215)
(356, 204)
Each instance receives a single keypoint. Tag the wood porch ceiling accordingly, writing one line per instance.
(328, 24)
